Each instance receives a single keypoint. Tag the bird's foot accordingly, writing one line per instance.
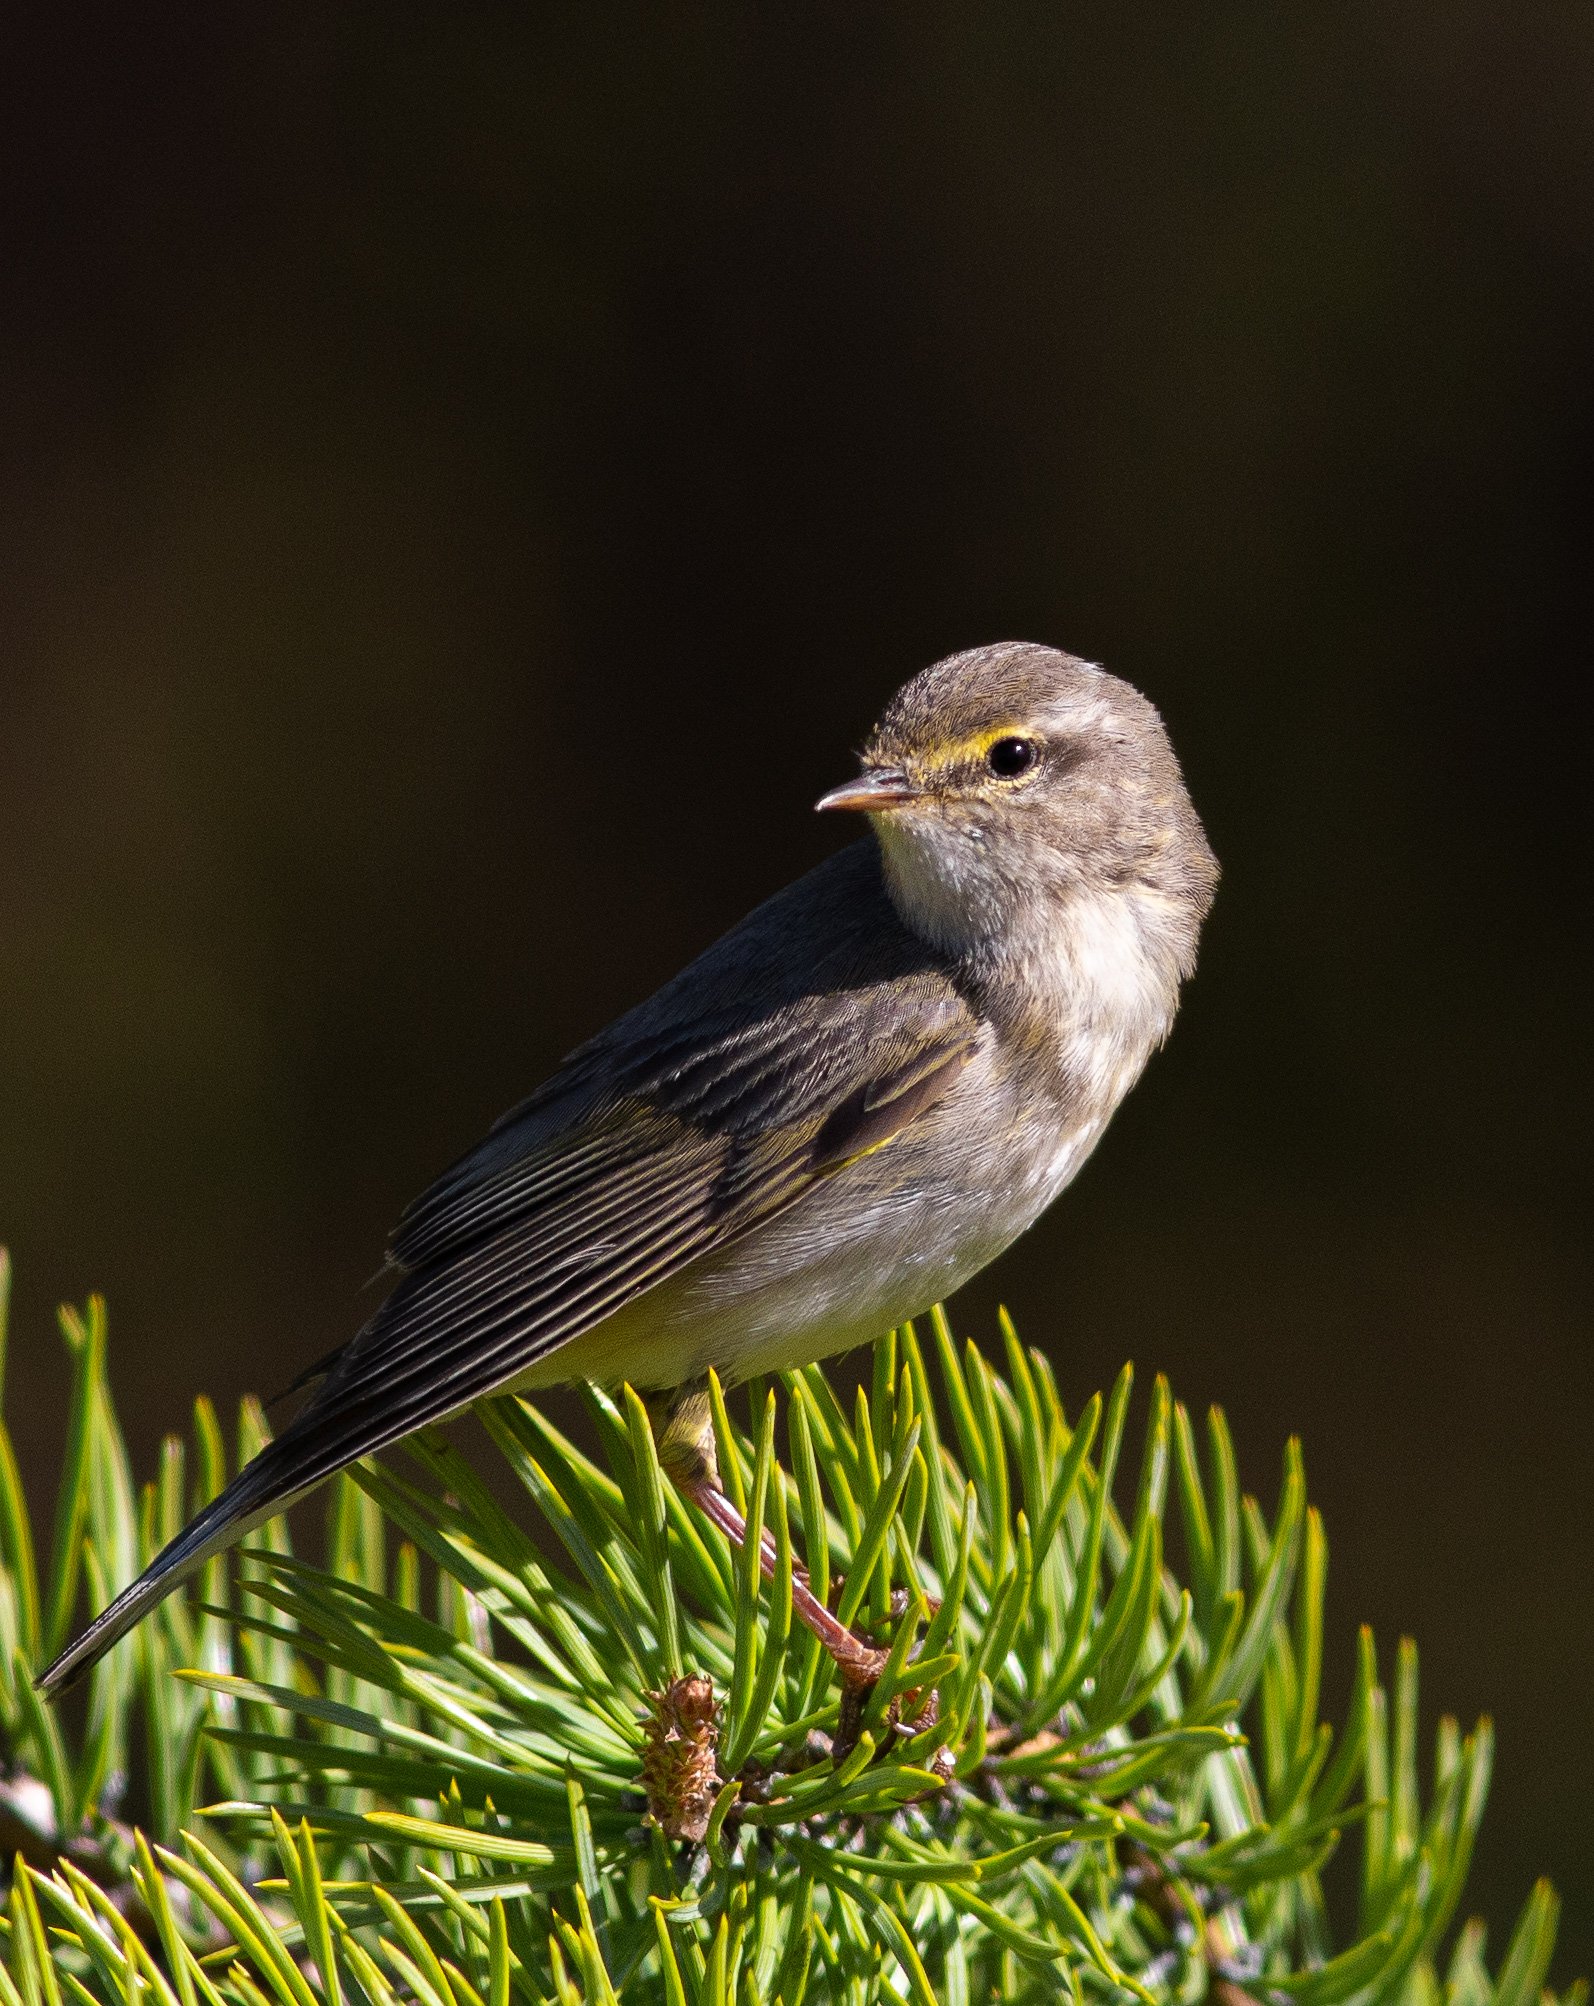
(687, 1457)
(859, 1662)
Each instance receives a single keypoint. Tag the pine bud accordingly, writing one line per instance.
(678, 1771)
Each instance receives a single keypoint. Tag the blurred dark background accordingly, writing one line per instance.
(471, 475)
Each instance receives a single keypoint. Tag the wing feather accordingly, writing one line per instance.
(540, 1248)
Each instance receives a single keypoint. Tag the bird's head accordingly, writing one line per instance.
(1008, 781)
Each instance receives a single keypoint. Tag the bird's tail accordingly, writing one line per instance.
(257, 1493)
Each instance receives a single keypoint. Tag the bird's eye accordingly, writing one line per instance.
(1008, 758)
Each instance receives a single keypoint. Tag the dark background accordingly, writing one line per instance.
(471, 476)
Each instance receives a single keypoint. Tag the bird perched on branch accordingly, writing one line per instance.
(831, 1119)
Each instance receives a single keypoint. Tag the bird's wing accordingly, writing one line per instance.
(653, 1146)
(697, 1138)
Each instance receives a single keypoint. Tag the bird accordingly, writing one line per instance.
(826, 1123)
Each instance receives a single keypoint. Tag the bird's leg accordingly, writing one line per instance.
(688, 1459)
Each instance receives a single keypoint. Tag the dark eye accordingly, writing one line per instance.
(1010, 757)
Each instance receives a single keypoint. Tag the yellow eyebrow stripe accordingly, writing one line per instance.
(955, 751)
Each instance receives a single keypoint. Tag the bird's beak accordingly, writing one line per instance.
(882, 787)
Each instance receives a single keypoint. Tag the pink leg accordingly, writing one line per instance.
(860, 1663)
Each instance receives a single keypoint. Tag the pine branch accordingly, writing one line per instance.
(577, 1751)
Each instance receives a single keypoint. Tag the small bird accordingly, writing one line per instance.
(841, 1111)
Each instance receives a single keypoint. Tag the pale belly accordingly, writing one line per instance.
(855, 1256)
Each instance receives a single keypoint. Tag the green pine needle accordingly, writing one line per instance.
(575, 1749)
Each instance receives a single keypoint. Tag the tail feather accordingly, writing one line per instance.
(341, 1423)
(257, 1493)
